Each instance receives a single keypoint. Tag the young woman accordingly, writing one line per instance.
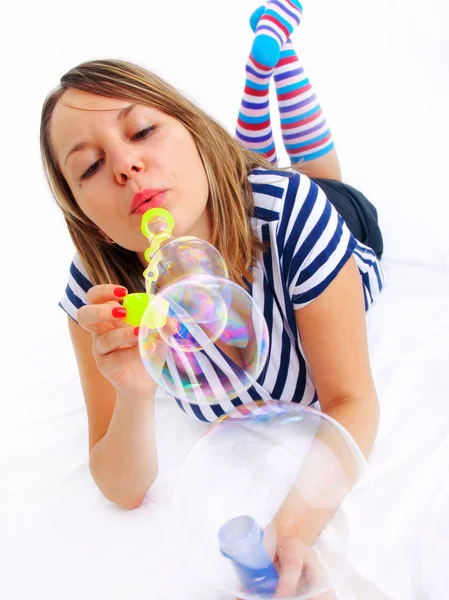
(113, 135)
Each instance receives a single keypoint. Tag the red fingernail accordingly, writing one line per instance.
(136, 331)
(120, 292)
(118, 312)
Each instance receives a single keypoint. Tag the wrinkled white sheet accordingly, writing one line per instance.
(59, 538)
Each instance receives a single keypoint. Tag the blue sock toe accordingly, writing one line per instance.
(266, 51)
(255, 17)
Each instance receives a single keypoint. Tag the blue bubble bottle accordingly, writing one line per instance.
(241, 540)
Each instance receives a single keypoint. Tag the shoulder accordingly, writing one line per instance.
(78, 284)
(274, 191)
(79, 274)
(285, 197)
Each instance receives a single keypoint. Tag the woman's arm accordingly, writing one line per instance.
(333, 334)
(123, 456)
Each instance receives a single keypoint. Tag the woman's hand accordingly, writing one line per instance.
(115, 344)
(300, 570)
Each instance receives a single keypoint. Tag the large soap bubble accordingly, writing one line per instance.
(247, 476)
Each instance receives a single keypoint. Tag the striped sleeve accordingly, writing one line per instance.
(314, 242)
(77, 287)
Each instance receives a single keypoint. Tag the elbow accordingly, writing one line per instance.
(132, 503)
(122, 495)
(127, 500)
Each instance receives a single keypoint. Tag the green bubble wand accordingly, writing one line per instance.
(157, 226)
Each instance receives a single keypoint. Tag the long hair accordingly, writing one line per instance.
(227, 165)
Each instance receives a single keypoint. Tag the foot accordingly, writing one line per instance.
(255, 17)
(273, 26)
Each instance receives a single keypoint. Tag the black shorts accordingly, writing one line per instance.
(356, 210)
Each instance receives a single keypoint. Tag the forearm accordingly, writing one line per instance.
(360, 419)
(321, 487)
(123, 463)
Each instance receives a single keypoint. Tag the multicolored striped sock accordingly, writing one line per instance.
(272, 24)
(253, 129)
(305, 132)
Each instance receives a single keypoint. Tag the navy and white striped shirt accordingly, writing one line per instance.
(309, 244)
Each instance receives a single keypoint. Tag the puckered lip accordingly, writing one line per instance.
(144, 196)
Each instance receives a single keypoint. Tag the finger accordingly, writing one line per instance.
(289, 578)
(152, 340)
(99, 294)
(153, 351)
(290, 570)
(97, 318)
(116, 339)
(170, 328)
(315, 575)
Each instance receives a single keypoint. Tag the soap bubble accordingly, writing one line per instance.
(185, 257)
(220, 344)
(250, 474)
(199, 304)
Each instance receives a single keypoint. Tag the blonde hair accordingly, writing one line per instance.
(226, 163)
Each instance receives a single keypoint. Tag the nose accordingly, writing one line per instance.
(127, 167)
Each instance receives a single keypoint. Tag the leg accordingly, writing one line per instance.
(305, 133)
(274, 23)
(253, 129)
(324, 167)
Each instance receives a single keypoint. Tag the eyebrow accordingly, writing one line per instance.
(81, 145)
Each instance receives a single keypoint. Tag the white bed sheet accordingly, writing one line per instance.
(59, 538)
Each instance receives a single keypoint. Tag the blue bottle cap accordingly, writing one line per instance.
(238, 534)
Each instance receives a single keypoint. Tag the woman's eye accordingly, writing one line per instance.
(92, 169)
(143, 133)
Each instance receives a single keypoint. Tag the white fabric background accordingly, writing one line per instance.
(380, 72)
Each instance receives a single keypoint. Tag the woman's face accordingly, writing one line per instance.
(114, 154)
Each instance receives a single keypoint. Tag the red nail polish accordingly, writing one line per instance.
(120, 292)
(136, 331)
(118, 312)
